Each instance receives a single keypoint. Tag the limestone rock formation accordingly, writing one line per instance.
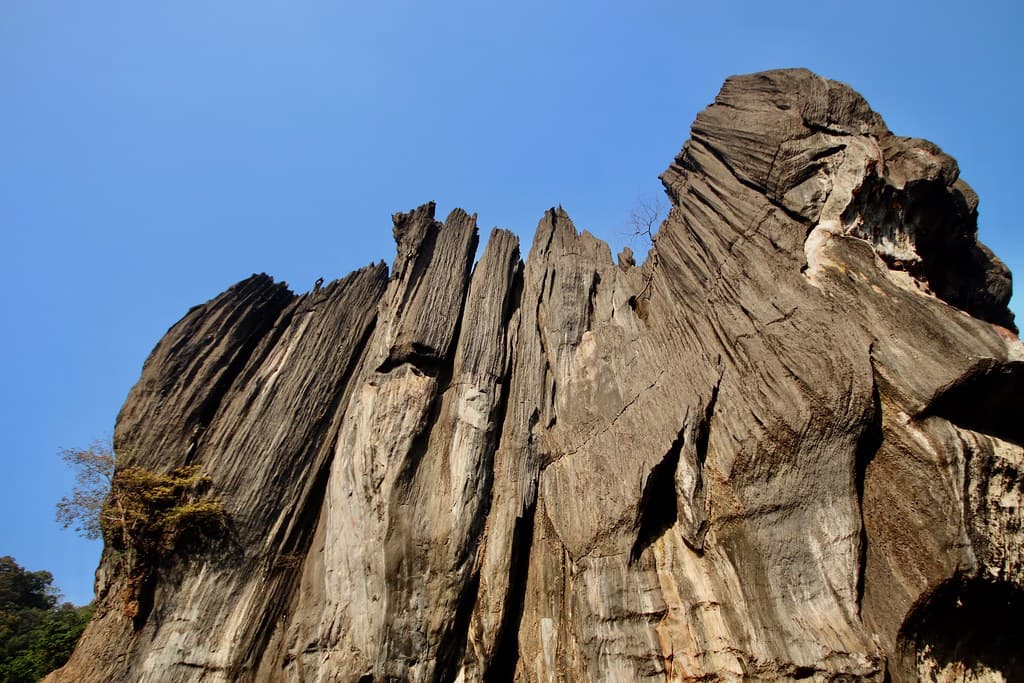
(786, 446)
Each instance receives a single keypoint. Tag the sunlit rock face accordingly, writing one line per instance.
(786, 446)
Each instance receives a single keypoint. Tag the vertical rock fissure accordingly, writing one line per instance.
(659, 506)
(502, 667)
(595, 281)
(453, 644)
(867, 447)
(293, 541)
(703, 436)
(442, 370)
(266, 322)
(452, 647)
(701, 442)
(549, 383)
(405, 477)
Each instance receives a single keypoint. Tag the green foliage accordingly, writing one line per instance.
(31, 590)
(36, 635)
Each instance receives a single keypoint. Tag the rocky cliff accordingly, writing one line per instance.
(787, 446)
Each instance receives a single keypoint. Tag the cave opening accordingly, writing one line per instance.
(967, 629)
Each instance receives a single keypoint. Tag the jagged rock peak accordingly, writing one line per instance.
(786, 446)
(816, 150)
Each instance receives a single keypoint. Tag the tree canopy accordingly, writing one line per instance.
(36, 634)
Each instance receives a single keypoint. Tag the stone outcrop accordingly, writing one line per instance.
(786, 446)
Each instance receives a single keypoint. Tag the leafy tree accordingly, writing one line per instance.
(31, 590)
(94, 474)
(36, 635)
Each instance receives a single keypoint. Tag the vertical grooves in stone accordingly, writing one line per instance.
(502, 667)
(293, 541)
(452, 648)
(188, 351)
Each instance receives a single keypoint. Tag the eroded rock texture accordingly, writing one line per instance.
(787, 446)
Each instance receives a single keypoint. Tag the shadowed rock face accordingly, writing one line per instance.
(787, 446)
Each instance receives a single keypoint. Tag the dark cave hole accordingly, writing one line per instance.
(970, 623)
(986, 399)
(659, 507)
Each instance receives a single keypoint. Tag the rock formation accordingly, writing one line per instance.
(786, 446)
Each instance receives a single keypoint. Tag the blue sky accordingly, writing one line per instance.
(152, 154)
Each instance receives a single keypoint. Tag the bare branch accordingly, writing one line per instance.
(94, 471)
(645, 216)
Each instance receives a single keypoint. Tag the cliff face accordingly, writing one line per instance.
(789, 445)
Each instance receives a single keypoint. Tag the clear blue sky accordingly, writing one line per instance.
(152, 154)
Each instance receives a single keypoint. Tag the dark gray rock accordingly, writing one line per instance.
(787, 445)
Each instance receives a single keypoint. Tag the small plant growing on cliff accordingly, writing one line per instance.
(148, 515)
(644, 221)
(132, 508)
(142, 515)
(645, 217)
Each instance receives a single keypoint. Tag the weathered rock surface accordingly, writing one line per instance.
(787, 446)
